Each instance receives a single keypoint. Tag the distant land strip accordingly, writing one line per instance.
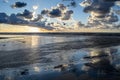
(64, 33)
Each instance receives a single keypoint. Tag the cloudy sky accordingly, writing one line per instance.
(61, 14)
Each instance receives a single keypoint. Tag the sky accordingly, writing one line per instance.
(61, 14)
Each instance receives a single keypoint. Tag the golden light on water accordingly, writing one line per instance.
(37, 69)
(34, 41)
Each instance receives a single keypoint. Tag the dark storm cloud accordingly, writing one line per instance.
(60, 12)
(26, 14)
(45, 11)
(100, 12)
(55, 13)
(73, 3)
(99, 7)
(15, 19)
(19, 5)
(12, 19)
(3, 18)
(106, 22)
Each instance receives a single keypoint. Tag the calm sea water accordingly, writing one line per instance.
(33, 57)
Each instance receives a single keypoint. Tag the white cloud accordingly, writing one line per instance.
(6, 1)
(35, 7)
(86, 3)
(117, 3)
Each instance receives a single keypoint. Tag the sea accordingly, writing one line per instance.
(59, 57)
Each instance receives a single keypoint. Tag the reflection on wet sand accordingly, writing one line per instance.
(14, 43)
(101, 64)
(93, 58)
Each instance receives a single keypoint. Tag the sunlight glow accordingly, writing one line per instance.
(37, 69)
(33, 29)
(19, 28)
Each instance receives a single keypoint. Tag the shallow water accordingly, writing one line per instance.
(33, 57)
